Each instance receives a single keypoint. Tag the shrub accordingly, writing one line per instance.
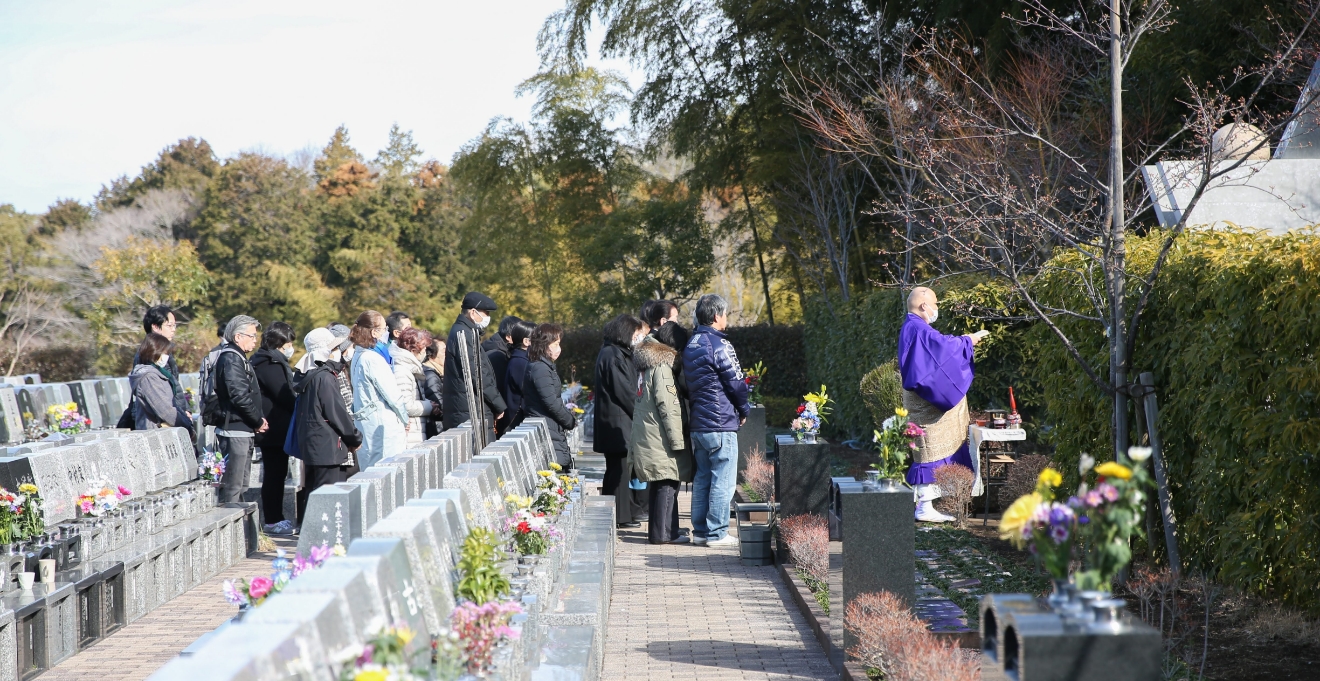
(808, 540)
(890, 638)
(759, 476)
(55, 363)
(780, 411)
(882, 391)
(956, 482)
(1022, 476)
(480, 579)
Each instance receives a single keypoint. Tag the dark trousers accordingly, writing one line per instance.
(629, 504)
(319, 476)
(274, 469)
(238, 467)
(662, 528)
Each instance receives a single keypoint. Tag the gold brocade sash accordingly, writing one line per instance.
(945, 430)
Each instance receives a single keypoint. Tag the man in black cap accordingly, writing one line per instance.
(474, 317)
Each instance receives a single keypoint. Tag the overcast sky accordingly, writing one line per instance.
(93, 89)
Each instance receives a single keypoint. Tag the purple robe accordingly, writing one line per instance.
(939, 369)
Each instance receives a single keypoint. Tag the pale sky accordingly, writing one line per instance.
(93, 89)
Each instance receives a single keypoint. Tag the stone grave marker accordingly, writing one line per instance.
(57, 492)
(88, 408)
(333, 517)
(376, 561)
(448, 457)
(478, 481)
(459, 509)
(407, 476)
(83, 464)
(877, 549)
(366, 609)
(435, 513)
(410, 590)
(369, 493)
(802, 476)
(327, 611)
(114, 400)
(35, 404)
(505, 475)
(180, 457)
(452, 525)
(391, 489)
(160, 463)
(11, 419)
(131, 463)
(251, 651)
(434, 585)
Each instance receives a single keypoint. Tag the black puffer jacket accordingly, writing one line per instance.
(541, 389)
(238, 396)
(275, 377)
(497, 351)
(325, 429)
(513, 382)
(616, 392)
(455, 401)
(433, 389)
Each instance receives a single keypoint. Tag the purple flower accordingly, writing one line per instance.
(1093, 499)
(1083, 520)
(1060, 515)
(1108, 491)
(233, 595)
(1059, 533)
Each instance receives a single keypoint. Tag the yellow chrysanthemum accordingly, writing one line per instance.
(1016, 517)
(27, 488)
(405, 634)
(372, 675)
(555, 467)
(1113, 469)
(544, 474)
(1049, 478)
(901, 412)
(72, 406)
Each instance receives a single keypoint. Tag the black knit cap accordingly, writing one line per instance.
(478, 301)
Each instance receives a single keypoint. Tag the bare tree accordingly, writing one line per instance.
(29, 316)
(818, 215)
(1015, 184)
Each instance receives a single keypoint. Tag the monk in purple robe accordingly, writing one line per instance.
(937, 370)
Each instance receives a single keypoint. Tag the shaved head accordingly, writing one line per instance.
(919, 296)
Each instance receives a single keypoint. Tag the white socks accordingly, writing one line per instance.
(926, 513)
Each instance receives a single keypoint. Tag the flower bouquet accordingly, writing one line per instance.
(894, 443)
(11, 505)
(1049, 526)
(64, 418)
(33, 429)
(211, 466)
(481, 628)
(384, 658)
(531, 533)
(753, 377)
(30, 521)
(255, 591)
(101, 498)
(552, 492)
(810, 414)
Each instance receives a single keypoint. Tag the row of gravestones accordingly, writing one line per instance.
(417, 508)
(872, 549)
(167, 537)
(101, 400)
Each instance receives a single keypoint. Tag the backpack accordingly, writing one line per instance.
(209, 398)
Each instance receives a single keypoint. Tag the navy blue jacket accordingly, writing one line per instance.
(715, 382)
(513, 383)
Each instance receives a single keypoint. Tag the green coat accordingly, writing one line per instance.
(657, 449)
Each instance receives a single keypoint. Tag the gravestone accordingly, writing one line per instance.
(455, 527)
(82, 465)
(52, 480)
(434, 584)
(391, 487)
(380, 560)
(802, 476)
(435, 512)
(160, 463)
(409, 591)
(130, 456)
(180, 457)
(878, 546)
(369, 493)
(328, 612)
(96, 403)
(1024, 640)
(252, 651)
(460, 509)
(88, 408)
(115, 401)
(478, 481)
(366, 609)
(407, 476)
(11, 418)
(33, 403)
(502, 460)
(751, 436)
(333, 517)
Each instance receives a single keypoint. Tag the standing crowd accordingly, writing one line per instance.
(668, 403)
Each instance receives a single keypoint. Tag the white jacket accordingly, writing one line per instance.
(408, 376)
(377, 408)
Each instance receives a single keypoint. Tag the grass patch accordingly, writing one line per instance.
(961, 555)
(820, 590)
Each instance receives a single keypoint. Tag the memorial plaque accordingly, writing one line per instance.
(128, 463)
(57, 492)
(434, 585)
(333, 517)
(11, 418)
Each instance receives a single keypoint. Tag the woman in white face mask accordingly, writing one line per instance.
(157, 403)
(275, 377)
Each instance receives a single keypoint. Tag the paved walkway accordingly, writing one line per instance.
(686, 612)
(139, 649)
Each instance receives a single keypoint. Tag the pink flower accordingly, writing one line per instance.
(319, 554)
(259, 587)
(1108, 491)
(233, 595)
(913, 430)
(1093, 499)
(123, 491)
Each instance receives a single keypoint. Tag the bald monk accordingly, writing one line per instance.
(937, 371)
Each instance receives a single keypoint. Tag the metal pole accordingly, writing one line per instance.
(1161, 481)
(466, 361)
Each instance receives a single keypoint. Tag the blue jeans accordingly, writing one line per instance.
(712, 489)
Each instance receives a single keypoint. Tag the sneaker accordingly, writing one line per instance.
(682, 539)
(283, 528)
(698, 541)
(726, 540)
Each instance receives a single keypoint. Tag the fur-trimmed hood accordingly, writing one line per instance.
(652, 353)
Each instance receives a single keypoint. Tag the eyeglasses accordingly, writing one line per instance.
(249, 335)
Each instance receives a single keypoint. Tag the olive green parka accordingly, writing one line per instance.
(657, 449)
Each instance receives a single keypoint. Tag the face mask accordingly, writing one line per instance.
(163, 361)
(335, 356)
(636, 341)
(288, 354)
(934, 316)
(484, 323)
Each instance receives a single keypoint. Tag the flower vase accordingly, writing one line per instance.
(1063, 594)
(809, 437)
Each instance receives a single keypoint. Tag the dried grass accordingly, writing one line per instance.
(808, 540)
(1022, 476)
(892, 639)
(956, 484)
(759, 476)
(1277, 623)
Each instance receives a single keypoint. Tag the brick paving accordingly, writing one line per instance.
(139, 649)
(685, 612)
